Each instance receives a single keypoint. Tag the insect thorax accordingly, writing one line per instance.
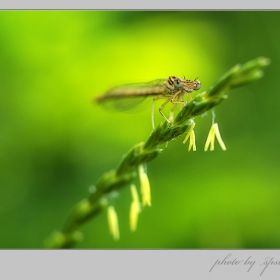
(169, 84)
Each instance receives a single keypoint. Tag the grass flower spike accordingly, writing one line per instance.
(191, 135)
(214, 132)
(192, 141)
(135, 208)
(145, 187)
(113, 222)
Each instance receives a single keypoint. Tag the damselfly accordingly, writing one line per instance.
(173, 89)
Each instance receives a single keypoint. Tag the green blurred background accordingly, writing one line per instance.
(55, 143)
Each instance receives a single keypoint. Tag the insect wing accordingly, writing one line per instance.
(128, 96)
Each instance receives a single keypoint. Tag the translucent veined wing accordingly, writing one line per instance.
(128, 96)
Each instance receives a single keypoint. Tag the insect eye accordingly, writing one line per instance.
(198, 85)
(178, 82)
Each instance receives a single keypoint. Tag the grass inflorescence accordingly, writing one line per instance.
(142, 153)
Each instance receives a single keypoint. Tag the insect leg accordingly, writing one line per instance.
(182, 103)
(175, 103)
(171, 115)
(153, 110)
(163, 105)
